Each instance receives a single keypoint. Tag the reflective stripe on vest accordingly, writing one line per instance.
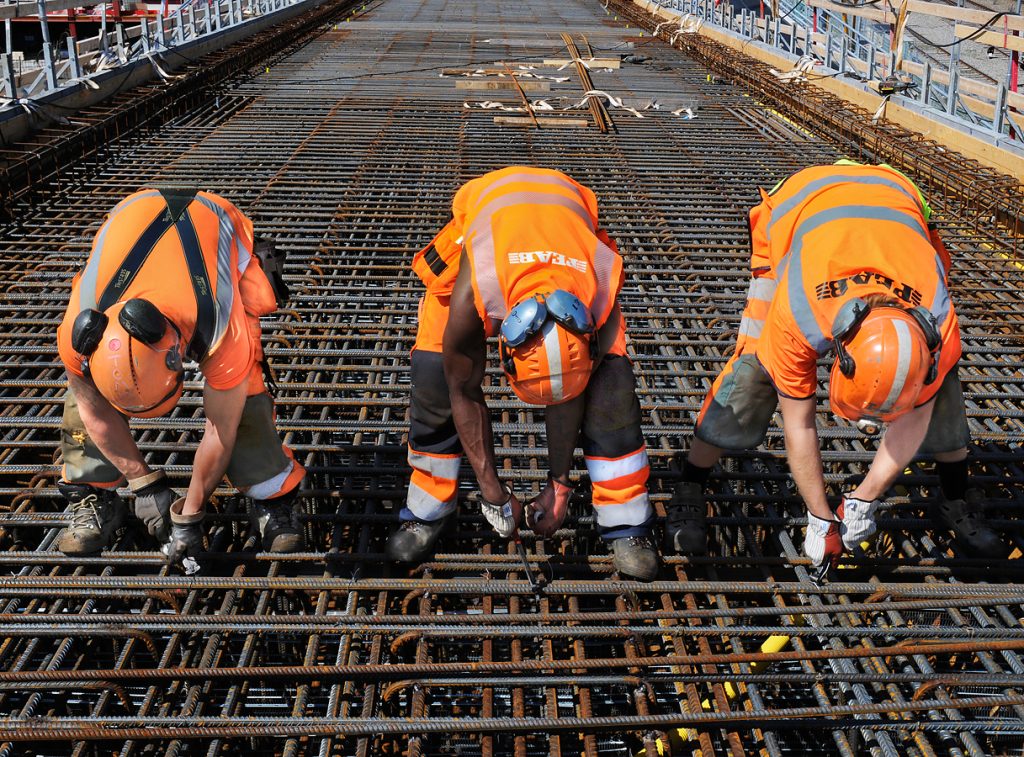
(90, 276)
(802, 195)
(480, 239)
(792, 266)
(225, 289)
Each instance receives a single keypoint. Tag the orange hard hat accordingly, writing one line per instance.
(553, 366)
(882, 366)
(137, 363)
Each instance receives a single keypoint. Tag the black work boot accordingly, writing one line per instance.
(635, 556)
(96, 514)
(414, 540)
(686, 528)
(278, 523)
(966, 519)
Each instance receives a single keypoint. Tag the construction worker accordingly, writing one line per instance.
(173, 275)
(843, 260)
(524, 259)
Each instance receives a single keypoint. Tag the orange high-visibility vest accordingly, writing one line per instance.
(831, 233)
(525, 230)
(225, 238)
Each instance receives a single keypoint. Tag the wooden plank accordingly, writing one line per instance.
(26, 9)
(873, 13)
(595, 63)
(1012, 22)
(996, 39)
(575, 123)
(491, 84)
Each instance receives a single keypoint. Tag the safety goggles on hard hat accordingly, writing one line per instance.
(853, 313)
(526, 318)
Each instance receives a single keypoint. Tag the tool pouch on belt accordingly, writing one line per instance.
(437, 264)
(272, 260)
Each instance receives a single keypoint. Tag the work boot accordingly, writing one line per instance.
(686, 528)
(96, 514)
(278, 523)
(966, 519)
(635, 556)
(414, 540)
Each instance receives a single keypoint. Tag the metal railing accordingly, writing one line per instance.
(847, 46)
(120, 42)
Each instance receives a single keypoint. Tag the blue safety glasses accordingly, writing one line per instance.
(526, 319)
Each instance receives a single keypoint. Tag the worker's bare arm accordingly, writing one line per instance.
(223, 409)
(107, 428)
(465, 354)
(902, 439)
(804, 454)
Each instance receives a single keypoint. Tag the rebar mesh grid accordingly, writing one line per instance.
(348, 150)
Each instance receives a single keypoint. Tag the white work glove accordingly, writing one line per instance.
(858, 517)
(504, 516)
(822, 542)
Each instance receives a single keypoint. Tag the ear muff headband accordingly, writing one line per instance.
(852, 314)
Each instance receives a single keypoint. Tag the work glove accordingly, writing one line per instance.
(504, 516)
(546, 512)
(186, 537)
(858, 519)
(822, 542)
(153, 498)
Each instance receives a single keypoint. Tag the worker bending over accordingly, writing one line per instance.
(172, 276)
(524, 260)
(843, 260)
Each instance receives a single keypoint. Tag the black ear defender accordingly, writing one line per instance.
(846, 322)
(143, 320)
(932, 339)
(87, 331)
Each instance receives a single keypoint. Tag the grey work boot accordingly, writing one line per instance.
(966, 519)
(686, 528)
(414, 540)
(96, 514)
(278, 523)
(635, 556)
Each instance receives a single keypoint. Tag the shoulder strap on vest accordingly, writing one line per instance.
(177, 215)
(206, 309)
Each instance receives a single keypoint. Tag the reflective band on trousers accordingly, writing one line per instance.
(792, 266)
(630, 513)
(272, 486)
(426, 506)
(604, 469)
(439, 466)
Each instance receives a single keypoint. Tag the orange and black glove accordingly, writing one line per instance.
(546, 513)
